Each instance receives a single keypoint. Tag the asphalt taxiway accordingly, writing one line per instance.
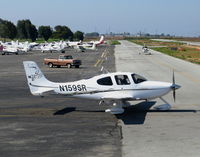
(59, 126)
(147, 132)
(55, 126)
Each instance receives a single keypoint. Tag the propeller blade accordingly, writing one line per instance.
(174, 89)
(174, 95)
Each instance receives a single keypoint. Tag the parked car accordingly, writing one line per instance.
(63, 60)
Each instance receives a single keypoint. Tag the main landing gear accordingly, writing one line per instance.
(118, 107)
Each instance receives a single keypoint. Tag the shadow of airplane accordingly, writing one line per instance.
(65, 111)
(72, 109)
(136, 114)
(133, 115)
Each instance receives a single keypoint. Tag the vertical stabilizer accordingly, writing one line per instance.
(37, 82)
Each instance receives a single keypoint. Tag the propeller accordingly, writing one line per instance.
(174, 90)
(174, 86)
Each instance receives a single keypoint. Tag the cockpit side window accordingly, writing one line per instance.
(138, 79)
(106, 81)
(122, 80)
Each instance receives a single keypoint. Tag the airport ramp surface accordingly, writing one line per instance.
(147, 132)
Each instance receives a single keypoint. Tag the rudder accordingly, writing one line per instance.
(37, 82)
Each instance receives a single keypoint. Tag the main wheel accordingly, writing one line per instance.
(76, 66)
(50, 65)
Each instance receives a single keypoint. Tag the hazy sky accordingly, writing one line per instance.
(178, 17)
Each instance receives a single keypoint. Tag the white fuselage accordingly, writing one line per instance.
(90, 89)
(137, 93)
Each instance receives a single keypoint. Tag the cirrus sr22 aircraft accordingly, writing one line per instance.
(116, 88)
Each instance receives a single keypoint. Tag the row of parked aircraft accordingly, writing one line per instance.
(15, 47)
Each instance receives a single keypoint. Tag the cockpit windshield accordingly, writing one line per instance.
(138, 79)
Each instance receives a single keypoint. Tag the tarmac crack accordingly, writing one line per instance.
(119, 130)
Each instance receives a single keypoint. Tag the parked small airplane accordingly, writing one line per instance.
(118, 87)
(15, 47)
(84, 47)
(53, 47)
(79, 48)
(101, 41)
(145, 50)
(73, 43)
(10, 50)
(91, 47)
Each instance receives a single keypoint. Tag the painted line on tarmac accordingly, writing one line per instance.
(105, 55)
(8, 115)
(101, 62)
(96, 64)
(102, 54)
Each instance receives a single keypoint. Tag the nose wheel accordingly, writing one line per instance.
(163, 107)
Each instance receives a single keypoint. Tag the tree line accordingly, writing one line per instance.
(26, 30)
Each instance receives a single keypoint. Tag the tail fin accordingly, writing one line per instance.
(37, 82)
(101, 40)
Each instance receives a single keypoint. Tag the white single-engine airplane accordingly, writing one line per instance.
(118, 87)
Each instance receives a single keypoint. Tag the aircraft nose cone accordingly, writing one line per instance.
(175, 86)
